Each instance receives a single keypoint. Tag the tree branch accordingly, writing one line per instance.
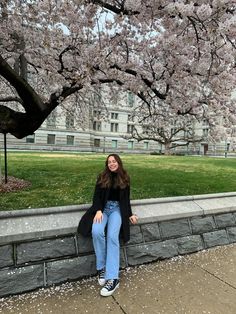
(11, 98)
(30, 99)
(147, 82)
(115, 9)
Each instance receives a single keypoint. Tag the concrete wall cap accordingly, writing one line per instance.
(83, 207)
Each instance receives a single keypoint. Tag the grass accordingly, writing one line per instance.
(66, 179)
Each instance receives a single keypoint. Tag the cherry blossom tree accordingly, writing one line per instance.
(160, 124)
(181, 53)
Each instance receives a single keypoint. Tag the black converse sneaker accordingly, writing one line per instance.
(110, 286)
(101, 277)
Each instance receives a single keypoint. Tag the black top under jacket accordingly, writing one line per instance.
(114, 192)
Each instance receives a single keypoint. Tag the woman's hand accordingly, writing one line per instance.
(98, 217)
(133, 219)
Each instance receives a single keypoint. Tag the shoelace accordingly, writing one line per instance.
(102, 273)
(109, 284)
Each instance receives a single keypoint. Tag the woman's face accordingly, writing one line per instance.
(112, 164)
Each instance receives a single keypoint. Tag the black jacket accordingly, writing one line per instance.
(100, 198)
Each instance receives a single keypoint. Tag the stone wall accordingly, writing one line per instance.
(35, 254)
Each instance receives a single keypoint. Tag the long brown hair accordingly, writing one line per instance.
(122, 178)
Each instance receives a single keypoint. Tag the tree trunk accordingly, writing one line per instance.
(21, 124)
(168, 148)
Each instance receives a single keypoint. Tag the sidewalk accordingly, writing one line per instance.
(204, 282)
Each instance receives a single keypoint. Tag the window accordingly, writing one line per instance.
(96, 125)
(205, 122)
(160, 131)
(205, 132)
(98, 95)
(51, 120)
(233, 131)
(130, 144)
(130, 117)
(130, 99)
(96, 113)
(114, 127)
(146, 145)
(173, 131)
(114, 115)
(114, 143)
(51, 139)
(187, 134)
(145, 129)
(70, 121)
(70, 140)
(30, 138)
(130, 128)
(97, 142)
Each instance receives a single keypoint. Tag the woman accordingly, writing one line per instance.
(111, 205)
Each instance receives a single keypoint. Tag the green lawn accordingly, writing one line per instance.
(66, 179)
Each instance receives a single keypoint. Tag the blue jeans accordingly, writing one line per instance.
(107, 248)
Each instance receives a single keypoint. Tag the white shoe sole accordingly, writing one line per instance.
(101, 282)
(106, 293)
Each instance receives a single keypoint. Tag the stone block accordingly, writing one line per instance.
(123, 262)
(70, 269)
(151, 232)
(189, 244)
(85, 244)
(135, 235)
(225, 220)
(6, 256)
(45, 249)
(21, 279)
(232, 234)
(144, 253)
(175, 228)
(202, 224)
(215, 238)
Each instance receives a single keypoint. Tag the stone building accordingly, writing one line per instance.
(105, 126)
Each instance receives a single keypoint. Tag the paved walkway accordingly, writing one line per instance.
(204, 282)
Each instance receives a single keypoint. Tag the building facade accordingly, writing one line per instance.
(106, 128)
